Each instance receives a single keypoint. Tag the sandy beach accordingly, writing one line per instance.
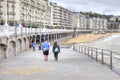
(88, 38)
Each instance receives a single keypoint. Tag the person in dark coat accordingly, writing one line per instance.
(56, 50)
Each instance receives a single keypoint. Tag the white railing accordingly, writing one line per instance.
(12, 30)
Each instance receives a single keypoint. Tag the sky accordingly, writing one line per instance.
(107, 7)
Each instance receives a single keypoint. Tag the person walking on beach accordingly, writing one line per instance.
(45, 46)
(56, 50)
(33, 45)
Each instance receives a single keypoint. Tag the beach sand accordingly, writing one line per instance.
(88, 38)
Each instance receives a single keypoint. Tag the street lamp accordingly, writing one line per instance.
(30, 27)
(15, 25)
(6, 28)
(6, 25)
(44, 21)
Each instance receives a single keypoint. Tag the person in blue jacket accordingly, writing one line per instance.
(33, 45)
(45, 46)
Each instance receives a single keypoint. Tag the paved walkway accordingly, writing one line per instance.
(70, 66)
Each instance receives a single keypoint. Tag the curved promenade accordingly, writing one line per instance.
(70, 66)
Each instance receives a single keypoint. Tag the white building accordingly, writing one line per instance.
(61, 17)
(30, 12)
(80, 20)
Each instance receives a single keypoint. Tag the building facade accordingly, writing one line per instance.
(74, 22)
(83, 22)
(113, 25)
(30, 12)
(61, 17)
(96, 23)
(89, 23)
(41, 13)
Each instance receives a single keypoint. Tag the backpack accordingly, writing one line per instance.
(56, 49)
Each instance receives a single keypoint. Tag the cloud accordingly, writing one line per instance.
(100, 6)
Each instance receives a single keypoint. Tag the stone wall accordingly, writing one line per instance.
(11, 49)
(2, 51)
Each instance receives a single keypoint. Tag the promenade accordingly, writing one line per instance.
(71, 65)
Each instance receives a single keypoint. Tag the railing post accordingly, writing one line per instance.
(96, 55)
(85, 49)
(78, 48)
(81, 49)
(111, 60)
(91, 53)
(88, 52)
(73, 47)
(102, 57)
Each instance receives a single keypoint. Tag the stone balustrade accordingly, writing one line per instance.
(21, 30)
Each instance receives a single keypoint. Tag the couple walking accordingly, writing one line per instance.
(45, 46)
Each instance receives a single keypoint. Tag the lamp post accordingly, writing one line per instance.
(6, 23)
(40, 33)
(15, 25)
(30, 29)
(6, 13)
(6, 29)
(44, 21)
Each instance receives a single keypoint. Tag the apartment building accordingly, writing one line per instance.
(89, 23)
(114, 19)
(96, 23)
(80, 20)
(30, 12)
(75, 22)
(113, 25)
(61, 17)
(103, 23)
